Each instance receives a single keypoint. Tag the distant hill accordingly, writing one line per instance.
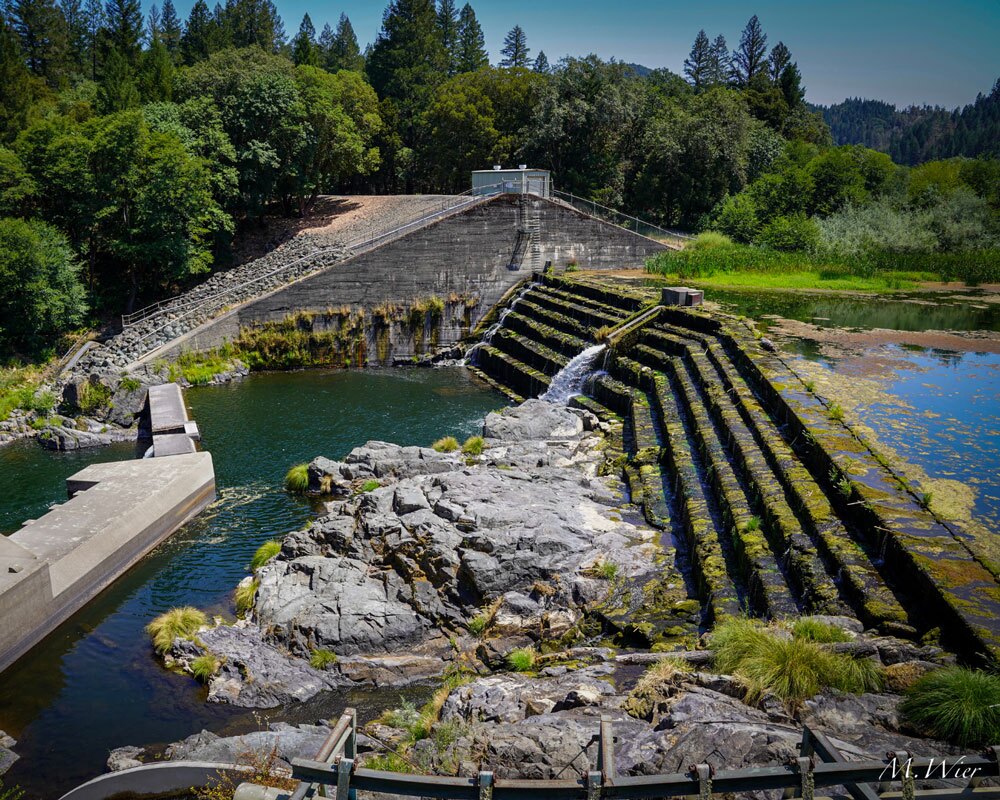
(640, 70)
(918, 133)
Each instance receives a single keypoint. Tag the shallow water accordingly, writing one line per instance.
(94, 684)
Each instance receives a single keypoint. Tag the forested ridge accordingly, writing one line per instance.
(134, 150)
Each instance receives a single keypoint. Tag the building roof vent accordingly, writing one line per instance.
(497, 167)
(522, 166)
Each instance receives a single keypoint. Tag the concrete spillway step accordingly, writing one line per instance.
(590, 317)
(621, 299)
(504, 368)
(535, 355)
(783, 482)
(554, 319)
(564, 343)
(581, 301)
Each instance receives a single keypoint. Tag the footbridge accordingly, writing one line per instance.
(462, 251)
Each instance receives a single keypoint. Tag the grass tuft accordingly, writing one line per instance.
(813, 630)
(522, 659)
(608, 570)
(297, 479)
(474, 446)
(322, 659)
(446, 444)
(792, 669)
(244, 596)
(265, 553)
(176, 623)
(370, 485)
(957, 704)
(205, 666)
(752, 524)
(835, 412)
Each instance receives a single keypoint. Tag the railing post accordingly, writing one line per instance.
(703, 773)
(344, 769)
(485, 784)
(351, 745)
(606, 751)
(593, 785)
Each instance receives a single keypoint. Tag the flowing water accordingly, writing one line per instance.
(94, 684)
(570, 379)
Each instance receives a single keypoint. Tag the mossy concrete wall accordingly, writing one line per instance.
(466, 255)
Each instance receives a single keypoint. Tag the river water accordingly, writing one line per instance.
(94, 684)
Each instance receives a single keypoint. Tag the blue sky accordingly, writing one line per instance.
(904, 52)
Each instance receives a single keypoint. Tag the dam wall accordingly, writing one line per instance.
(465, 262)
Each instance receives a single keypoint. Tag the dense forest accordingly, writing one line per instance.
(919, 133)
(134, 150)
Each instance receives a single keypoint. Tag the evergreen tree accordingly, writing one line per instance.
(304, 49)
(515, 48)
(254, 22)
(117, 90)
(196, 39)
(448, 22)
(344, 52)
(123, 19)
(776, 62)
(76, 34)
(718, 70)
(44, 38)
(16, 93)
(472, 53)
(698, 64)
(153, 24)
(750, 58)
(93, 12)
(541, 64)
(156, 73)
(170, 29)
(790, 83)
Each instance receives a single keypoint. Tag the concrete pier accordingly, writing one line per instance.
(116, 513)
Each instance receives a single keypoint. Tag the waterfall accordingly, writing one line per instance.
(492, 330)
(569, 380)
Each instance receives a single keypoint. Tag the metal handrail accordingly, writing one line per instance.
(671, 232)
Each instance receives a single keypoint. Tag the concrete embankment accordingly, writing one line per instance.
(116, 513)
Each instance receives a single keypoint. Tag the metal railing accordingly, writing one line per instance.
(620, 218)
(819, 765)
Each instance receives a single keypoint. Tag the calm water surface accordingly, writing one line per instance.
(94, 685)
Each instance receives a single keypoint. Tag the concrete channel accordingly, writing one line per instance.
(116, 513)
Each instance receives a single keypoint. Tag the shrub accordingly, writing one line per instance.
(322, 659)
(265, 553)
(245, 594)
(794, 232)
(814, 630)
(957, 704)
(737, 217)
(709, 240)
(446, 444)
(521, 659)
(370, 485)
(474, 446)
(205, 666)
(792, 669)
(297, 479)
(92, 396)
(177, 623)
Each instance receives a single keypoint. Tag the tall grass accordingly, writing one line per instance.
(957, 704)
(297, 479)
(446, 444)
(265, 553)
(18, 388)
(791, 668)
(205, 666)
(177, 623)
(245, 594)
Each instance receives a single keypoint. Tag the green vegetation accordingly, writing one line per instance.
(752, 524)
(303, 340)
(322, 659)
(480, 623)
(522, 659)
(10, 792)
(199, 368)
(244, 596)
(608, 570)
(446, 444)
(92, 396)
(835, 412)
(130, 384)
(473, 446)
(793, 669)
(370, 485)
(19, 389)
(652, 685)
(957, 704)
(297, 479)
(420, 723)
(265, 553)
(815, 631)
(389, 762)
(205, 666)
(177, 623)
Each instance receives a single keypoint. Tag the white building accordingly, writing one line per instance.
(514, 181)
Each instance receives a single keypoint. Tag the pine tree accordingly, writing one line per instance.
(472, 53)
(541, 64)
(93, 12)
(44, 37)
(197, 36)
(117, 90)
(790, 83)
(698, 65)
(170, 29)
(750, 58)
(153, 24)
(16, 93)
(254, 22)
(304, 49)
(776, 62)
(124, 22)
(448, 23)
(515, 49)
(76, 34)
(344, 52)
(718, 72)
(156, 73)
